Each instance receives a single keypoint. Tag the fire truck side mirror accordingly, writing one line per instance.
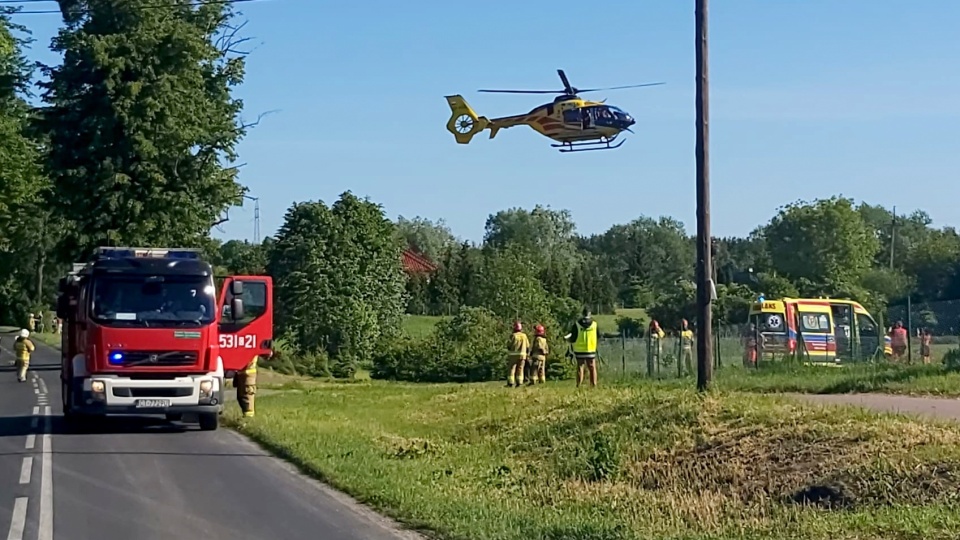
(236, 288)
(63, 306)
(236, 309)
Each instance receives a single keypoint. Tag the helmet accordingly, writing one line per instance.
(24, 333)
(517, 327)
(539, 330)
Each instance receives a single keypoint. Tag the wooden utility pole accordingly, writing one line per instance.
(893, 235)
(704, 259)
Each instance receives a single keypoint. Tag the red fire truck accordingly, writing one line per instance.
(145, 333)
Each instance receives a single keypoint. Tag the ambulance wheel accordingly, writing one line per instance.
(209, 421)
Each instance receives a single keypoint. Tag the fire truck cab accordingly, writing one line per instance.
(145, 333)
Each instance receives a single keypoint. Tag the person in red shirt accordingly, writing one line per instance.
(898, 340)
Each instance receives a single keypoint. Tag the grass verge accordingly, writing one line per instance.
(618, 463)
(931, 380)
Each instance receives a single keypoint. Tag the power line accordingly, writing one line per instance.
(146, 6)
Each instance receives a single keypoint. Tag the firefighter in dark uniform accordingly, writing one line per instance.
(245, 382)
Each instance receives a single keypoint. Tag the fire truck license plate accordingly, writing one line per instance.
(152, 403)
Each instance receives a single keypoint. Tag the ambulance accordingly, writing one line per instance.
(819, 330)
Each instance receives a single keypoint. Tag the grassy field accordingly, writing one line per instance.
(421, 325)
(617, 463)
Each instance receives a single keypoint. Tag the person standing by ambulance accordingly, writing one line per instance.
(518, 346)
(22, 349)
(686, 346)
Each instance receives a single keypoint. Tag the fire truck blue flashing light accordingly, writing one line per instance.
(116, 357)
(148, 252)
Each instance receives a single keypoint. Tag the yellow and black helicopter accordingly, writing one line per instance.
(575, 123)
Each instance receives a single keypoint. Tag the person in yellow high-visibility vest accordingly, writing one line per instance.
(583, 336)
(686, 345)
(22, 349)
(246, 383)
(518, 346)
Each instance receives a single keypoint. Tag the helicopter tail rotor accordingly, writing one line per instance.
(464, 123)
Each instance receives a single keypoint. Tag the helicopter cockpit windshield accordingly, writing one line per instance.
(599, 115)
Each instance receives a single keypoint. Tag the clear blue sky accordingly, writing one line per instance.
(809, 99)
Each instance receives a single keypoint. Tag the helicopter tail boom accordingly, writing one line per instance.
(464, 123)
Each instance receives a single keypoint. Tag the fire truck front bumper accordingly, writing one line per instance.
(125, 396)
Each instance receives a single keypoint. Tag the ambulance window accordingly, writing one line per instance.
(815, 322)
(868, 328)
(772, 322)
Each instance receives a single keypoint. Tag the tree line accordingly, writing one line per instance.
(129, 140)
(533, 266)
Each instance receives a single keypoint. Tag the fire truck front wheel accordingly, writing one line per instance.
(209, 421)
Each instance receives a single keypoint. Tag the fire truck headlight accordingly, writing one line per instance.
(206, 387)
(97, 387)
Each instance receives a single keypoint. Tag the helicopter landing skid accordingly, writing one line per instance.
(587, 146)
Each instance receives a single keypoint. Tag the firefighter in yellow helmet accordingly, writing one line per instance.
(538, 356)
(583, 336)
(23, 348)
(245, 382)
(518, 346)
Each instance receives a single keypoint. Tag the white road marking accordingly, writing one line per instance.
(43, 386)
(46, 481)
(19, 519)
(36, 390)
(36, 410)
(26, 467)
(31, 440)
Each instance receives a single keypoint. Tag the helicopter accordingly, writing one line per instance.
(576, 124)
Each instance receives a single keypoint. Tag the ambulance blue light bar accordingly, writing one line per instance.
(158, 253)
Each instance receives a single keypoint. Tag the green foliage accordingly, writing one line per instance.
(428, 238)
(466, 348)
(826, 242)
(339, 280)
(141, 123)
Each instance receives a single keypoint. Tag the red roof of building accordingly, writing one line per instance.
(416, 263)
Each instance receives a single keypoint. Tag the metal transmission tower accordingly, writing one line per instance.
(256, 218)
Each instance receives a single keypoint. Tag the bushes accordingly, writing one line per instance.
(467, 348)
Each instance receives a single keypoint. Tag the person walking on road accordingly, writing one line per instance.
(22, 349)
(245, 382)
(583, 336)
(518, 346)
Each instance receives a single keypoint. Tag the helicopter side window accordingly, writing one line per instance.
(572, 116)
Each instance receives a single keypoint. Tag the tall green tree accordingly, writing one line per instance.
(548, 236)
(826, 244)
(141, 122)
(26, 225)
(339, 280)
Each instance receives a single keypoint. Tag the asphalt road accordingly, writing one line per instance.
(149, 479)
(930, 407)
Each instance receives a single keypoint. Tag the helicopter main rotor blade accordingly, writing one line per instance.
(524, 91)
(620, 87)
(566, 83)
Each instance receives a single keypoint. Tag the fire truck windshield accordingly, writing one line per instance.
(153, 301)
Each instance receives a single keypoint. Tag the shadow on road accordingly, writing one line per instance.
(18, 426)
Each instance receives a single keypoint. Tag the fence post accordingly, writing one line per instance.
(909, 330)
(649, 357)
(623, 352)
